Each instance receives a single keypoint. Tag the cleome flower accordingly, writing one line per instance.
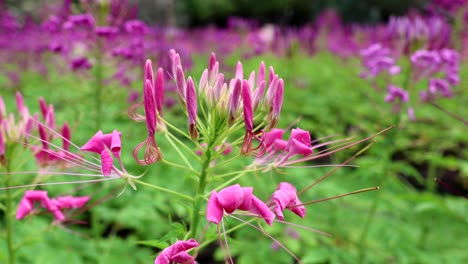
(101, 144)
(177, 253)
(285, 197)
(53, 206)
(278, 151)
(234, 198)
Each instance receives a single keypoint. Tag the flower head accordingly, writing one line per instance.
(234, 198)
(177, 253)
(285, 197)
(53, 206)
(103, 143)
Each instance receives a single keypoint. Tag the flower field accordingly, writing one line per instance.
(330, 142)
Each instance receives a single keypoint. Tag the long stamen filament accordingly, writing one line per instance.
(336, 168)
(339, 196)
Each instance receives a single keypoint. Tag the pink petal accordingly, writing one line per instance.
(24, 208)
(35, 195)
(177, 253)
(247, 202)
(66, 137)
(94, 144)
(71, 202)
(270, 137)
(211, 62)
(247, 102)
(239, 71)
(43, 106)
(116, 143)
(191, 97)
(284, 197)
(234, 100)
(150, 107)
(203, 81)
(257, 96)
(159, 90)
(259, 208)
(214, 211)
(148, 72)
(301, 135)
(106, 162)
(180, 83)
(58, 215)
(297, 147)
(230, 198)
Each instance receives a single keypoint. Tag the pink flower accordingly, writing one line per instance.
(101, 144)
(54, 206)
(234, 198)
(159, 90)
(285, 197)
(394, 93)
(279, 151)
(176, 253)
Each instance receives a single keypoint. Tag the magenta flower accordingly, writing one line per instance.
(285, 197)
(394, 93)
(177, 253)
(54, 206)
(377, 59)
(279, 151)
(103, 143)
(276, 105)
(234, 198)
(159, 91)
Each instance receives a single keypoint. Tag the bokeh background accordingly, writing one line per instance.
(420, 213)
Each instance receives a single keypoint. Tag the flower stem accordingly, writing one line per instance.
(200, 191)
(9, 218)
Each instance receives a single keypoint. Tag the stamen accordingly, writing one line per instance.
(305, 227)
(55, 183)
(228, 251)
(339, 196)
(270, 236)
(313, 157)
(336, 168)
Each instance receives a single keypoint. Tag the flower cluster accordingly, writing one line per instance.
(377, 59)
(439, 68)
(246, 101)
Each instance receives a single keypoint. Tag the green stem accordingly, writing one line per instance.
(182, 156)
(200, 191)
(9, 218)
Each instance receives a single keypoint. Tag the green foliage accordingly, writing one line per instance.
(394, 225)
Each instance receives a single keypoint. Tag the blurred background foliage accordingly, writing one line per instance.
(194, 13)
(411, 219)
